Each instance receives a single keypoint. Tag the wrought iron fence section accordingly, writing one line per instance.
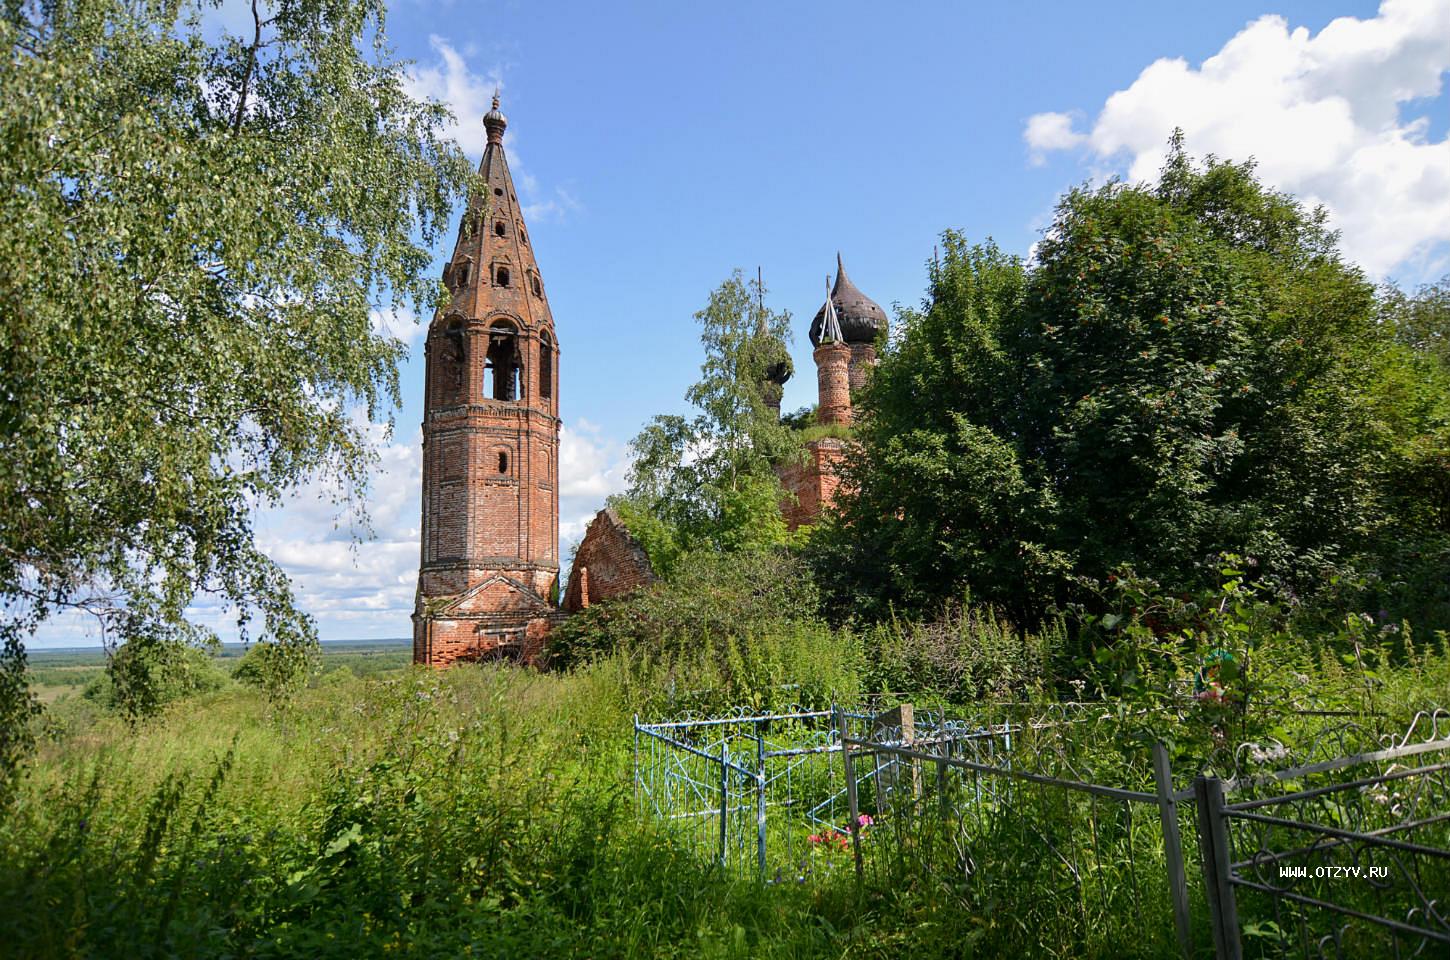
(1340, 857)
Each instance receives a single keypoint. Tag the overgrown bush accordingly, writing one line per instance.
(279, 670)
(964, 654)
(144, 676)
(725, 629)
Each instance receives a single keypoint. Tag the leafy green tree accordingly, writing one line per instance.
(278, 670)
(147, 673)
(709, 479)
(196, 235)
(1422, 320)
(1188, 368)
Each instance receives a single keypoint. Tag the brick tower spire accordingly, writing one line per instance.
(490, 530)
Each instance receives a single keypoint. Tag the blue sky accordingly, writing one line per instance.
(660, 145)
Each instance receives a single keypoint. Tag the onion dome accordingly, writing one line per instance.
(778, 366)
(495, 122)
(860, 317)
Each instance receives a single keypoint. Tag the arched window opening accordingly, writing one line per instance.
(503, 462)
(534, 282)
(452, 359)
(461, 274)
(546, 370)
(523, 237)
(502, 366)
(499, 229)
(501, 276)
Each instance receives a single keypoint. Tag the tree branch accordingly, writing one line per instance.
(251, 66)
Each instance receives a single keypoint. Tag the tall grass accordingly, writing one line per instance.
(487, 811)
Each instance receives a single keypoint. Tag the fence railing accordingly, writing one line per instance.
(1343, 857)
(751, 791)
(991, 809)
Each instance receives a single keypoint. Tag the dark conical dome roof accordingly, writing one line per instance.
(861, 317)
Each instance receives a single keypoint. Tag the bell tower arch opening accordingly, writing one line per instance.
(502, 368)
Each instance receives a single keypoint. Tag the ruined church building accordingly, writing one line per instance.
(488, 576)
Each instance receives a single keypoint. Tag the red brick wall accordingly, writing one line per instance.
(814, 483)
(863, 359)
(444, 641)
(833, 378)
(610, 560)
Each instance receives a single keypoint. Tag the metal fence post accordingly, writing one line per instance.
(851, 803)
(724, 799)
(638, 805)
(1172, 848)
(760, 798)
(1213, 843)
(943, 749)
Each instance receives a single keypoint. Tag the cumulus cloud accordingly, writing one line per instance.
(1050, 131)
(356, 580)
(366, 588)
(1334, 117)
(590, 464)
(449, 80)
(399, 323)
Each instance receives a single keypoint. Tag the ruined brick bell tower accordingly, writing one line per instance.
(490, 530)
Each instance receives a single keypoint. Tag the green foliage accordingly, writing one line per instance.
(1421, 321)
(146, 674)
(819, 431)
(486, 811)
(964, 655)
(479, 813)
(709, 479)
(1186, 369)
(660, 539)
(724, 629)
(18, 710)
(197, 233)
(799, 419)
(279, 670)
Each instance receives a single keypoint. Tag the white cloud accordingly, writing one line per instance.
(590, 464)
(359, 586)
(353, 586)
(1050, 131)
(1325, 115)
(555, 208)
(400, 323)
(467, 94)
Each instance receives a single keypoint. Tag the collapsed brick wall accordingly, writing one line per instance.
(814, 483)
(609, 563)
